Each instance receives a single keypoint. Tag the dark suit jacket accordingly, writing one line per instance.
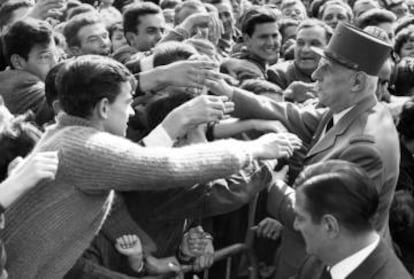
(382, 263)
(366, 135)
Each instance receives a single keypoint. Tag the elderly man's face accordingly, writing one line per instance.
(305, 58)
(334, 84)
(265, 41)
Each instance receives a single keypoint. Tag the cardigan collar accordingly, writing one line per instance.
(64, 120)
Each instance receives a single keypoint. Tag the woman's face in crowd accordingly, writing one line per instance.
(407, 50)
(334, 14)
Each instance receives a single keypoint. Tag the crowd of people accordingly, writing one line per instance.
(138, 138)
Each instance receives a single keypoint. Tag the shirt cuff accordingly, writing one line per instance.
(158, 138)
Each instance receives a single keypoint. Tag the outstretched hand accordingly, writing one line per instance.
(201, 109)
(275, 146)
(189, 73)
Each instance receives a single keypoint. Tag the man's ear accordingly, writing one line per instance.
(101, 108)
(330, 225)
(17, 62)
(56, 107)
(359, 82)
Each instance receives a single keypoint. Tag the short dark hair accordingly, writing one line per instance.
(76, 23)
(7, 9)
(309, 23)
(254, 16)
(133, 13)
(374, 17)
(23, 35)
(51, 93)
(406, 126)
(342, 189)
(85, 80)
(169, 52)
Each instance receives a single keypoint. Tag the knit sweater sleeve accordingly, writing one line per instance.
(95, 161)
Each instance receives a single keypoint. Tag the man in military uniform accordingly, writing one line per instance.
(352, 126)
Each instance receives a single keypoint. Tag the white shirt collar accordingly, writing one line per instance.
(339, 115)
(345, 267)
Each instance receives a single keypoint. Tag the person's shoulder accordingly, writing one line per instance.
(389, 264)
(18, 77)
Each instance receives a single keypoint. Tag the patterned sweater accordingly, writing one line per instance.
(51, 225)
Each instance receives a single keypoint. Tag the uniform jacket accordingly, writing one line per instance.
(366, 135)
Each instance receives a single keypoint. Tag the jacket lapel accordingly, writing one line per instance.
(339, 128)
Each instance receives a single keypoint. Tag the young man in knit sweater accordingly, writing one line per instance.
(54, 222)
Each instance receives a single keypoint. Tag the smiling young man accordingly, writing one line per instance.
(353, 126)
(310, 33)
(54, 223)
(261, 37)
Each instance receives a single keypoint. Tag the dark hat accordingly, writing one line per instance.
(356, 49)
